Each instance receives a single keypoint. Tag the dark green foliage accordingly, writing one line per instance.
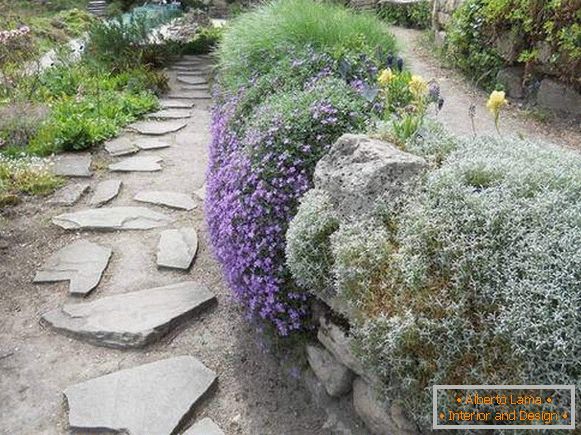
(414, 15)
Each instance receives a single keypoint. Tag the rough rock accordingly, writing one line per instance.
(112, 218)
(170, 114)
(105, 192)
(192, 80)
(149, 399)
(131, 320)
(176, 103)
(82, 263)
(358, 171)
(157, 128)
(69, 195)
(137, 164)
(508, 46)
(376, 414)
(205, 426)
(201, 192)
(73, 165)
(152, 142)
(120, 146)
(511, 79)
(336, 378)
(558, 96)
(168, 199)
(177, 248)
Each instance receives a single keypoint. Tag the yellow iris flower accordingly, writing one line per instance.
(385, 77)
(418, 86)
(496, 101)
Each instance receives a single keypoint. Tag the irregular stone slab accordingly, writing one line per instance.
(120, 146)
(169, 199)
(170, 114)
(105, 192)
(152, 142)
(176, 104)
(112, 218)
(70, 194)
(131, 320)
(157, 128)
(149, 399)
(180, 96)
(197, 94)
(205, 426)
(137, 164)
(177, 248)
(201, 192)
(73, 165)
(194, 88)
(193, 73)
(192, 80)
(336, 378)
(82, 263)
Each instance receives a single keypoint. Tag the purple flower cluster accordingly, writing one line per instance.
(8, 35)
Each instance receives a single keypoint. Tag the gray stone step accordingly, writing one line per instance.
(137, 164)
(176, 103)
(81, 263)
(72, 165)
(158, 128)
(150, 399)
(177, 248)
(152, 142)
(105, 192)
(69, 195)
(112, 218)
(192, 80)
(120, 146)
(166, 198)
(170, 114)
(131, 320)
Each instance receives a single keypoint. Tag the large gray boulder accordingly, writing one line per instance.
(560, 97)
(335, 376)
(359, 171)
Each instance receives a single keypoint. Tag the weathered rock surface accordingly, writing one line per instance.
(177, 103)
(168, 199)
(511, 79)
(201, 192)
(358, 171)
(82, 263)
(170, 114)
(73, 165)
(205, 426)
(197, 94)
(188, 80)
(131, 320)
(105, 192)
(152, 142)
(112, 218)
(145, 400)
(177, 248)
(157, 128)
(137, 164)
(557, 96)
(69, 195)
(377, 415)
(336, 378)
(120, 146)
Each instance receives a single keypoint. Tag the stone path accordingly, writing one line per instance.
(143, 352)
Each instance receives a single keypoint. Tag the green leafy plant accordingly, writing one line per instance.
(205, 41)
(415, 15)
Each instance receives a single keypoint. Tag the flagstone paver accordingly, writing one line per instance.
(120, 146)
(197, 94)
(137, 164)
(131, 320)
(168, 199)
(156, 128)
(105, 192)
(149, 399)
(205, 426)
(70, 194)
(177, 248)
(201, 192)
(82, 263)
(176, 103)
(152, 142)
(112, 218)
(192, 80)
(73, 165)
(171, 114)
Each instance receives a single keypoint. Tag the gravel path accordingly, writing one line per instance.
(254, 394)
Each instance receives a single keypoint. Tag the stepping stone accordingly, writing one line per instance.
(194, 88)
(169, 199)
(105, 192)
(137, 164)
(152, 143)
(149, 399)
(201, 192)
(177, 248)
(193, 73)
(191, 80)
(181, 96)
(157, 128)
(82, 263)
(205, 426)
(197, 94)
(131, 320)
(112, 218)
(171, 114)
(73, 165)
(69, 195)
(176, 104)
(120, 146)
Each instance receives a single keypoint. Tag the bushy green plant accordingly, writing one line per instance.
(19, 123)
(414, 15)
(205, 40)
(256, 40)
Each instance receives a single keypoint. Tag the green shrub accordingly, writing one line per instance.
(19, 123)
(414, 15)
(258, 39)
(205, 40)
